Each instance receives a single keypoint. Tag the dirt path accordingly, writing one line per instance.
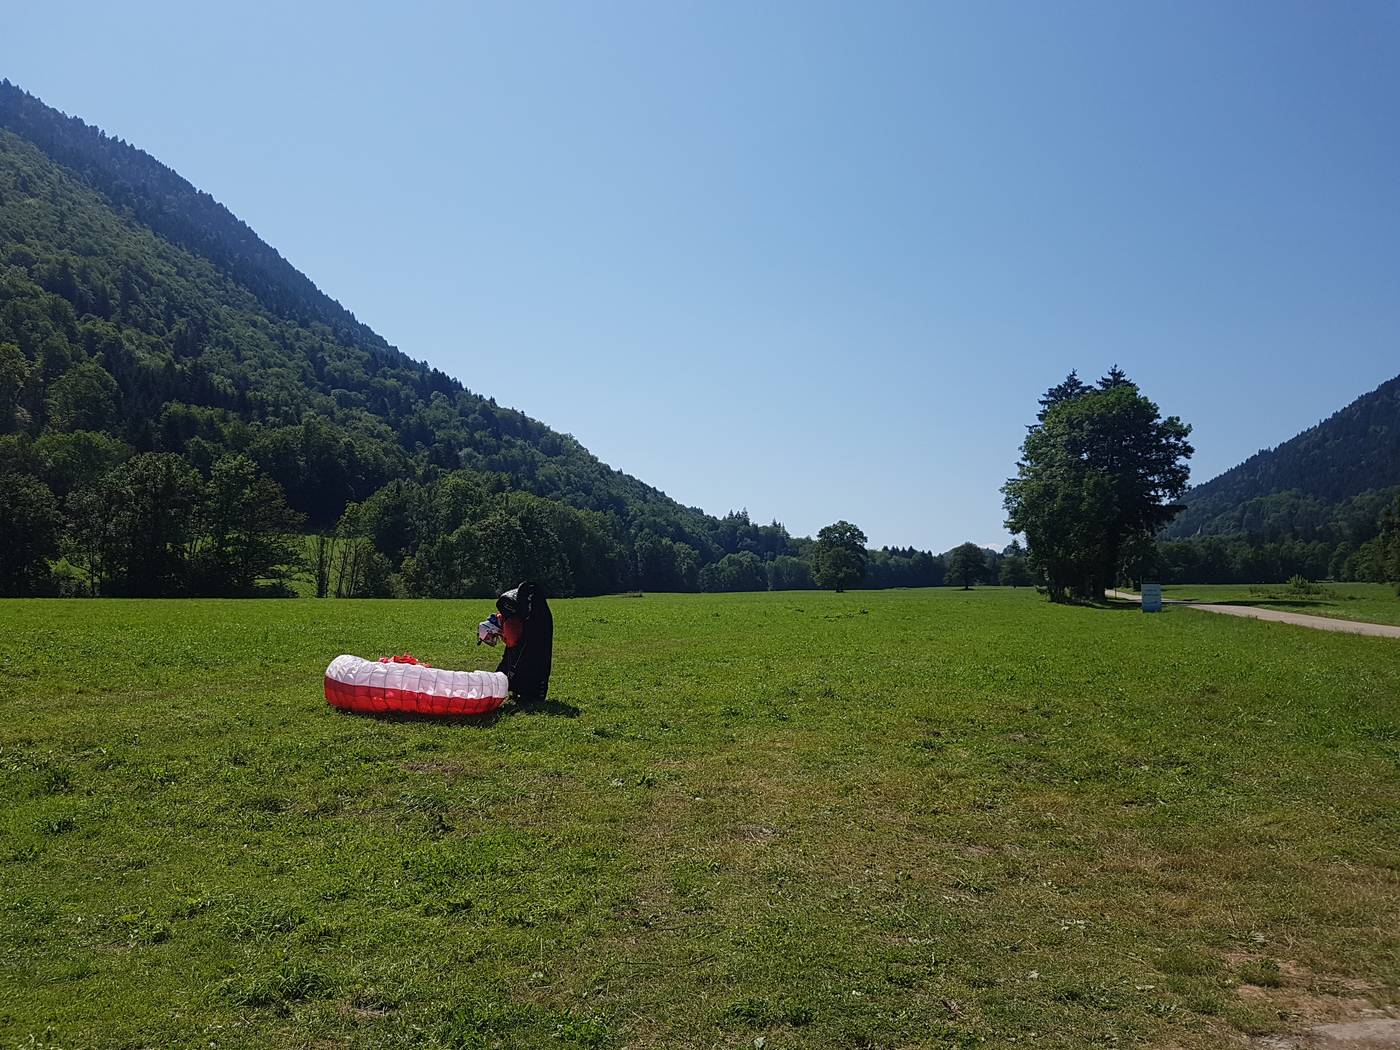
(1378, 1033)
(1319, 623)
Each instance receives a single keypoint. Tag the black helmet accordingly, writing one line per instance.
(509, 602)
(520, 600)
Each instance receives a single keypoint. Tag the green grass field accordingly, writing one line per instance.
(881, 819)
(1368, 602)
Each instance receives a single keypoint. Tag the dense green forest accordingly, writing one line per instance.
(178, 405)
(1354, 451)
(1315, 506)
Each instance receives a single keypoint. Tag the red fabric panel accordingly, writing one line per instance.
(380, 700)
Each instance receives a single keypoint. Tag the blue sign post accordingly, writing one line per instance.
(1151, 597)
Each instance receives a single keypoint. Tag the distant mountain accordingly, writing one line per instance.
(1353, 452)
(1314, 506)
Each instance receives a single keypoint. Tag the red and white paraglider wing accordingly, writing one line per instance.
(353, 684)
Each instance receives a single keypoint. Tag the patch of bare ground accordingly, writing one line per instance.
(1377, 1030)
(1325, 1013)
(445, 768)
(758, 833)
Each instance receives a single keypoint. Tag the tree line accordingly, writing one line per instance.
(1270, 539)
(1369, 552)
(91, 517)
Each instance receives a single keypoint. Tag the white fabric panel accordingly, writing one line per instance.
(436, 681)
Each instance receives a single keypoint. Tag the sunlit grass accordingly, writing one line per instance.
(912, 819)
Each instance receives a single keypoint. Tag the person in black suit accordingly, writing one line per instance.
(527, 627)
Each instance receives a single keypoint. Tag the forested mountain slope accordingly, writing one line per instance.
(1313, 505)
(157, 197)
(230, 325)
(173, 391)
(1354, 451)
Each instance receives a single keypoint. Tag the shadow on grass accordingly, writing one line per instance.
(411, 718)
(1111, 604)
(555, 708)
(1133, 604)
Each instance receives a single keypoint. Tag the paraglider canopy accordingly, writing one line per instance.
(401, 684)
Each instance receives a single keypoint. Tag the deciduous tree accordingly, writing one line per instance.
(1100, 468)
(967, 564)
(29, 523)
(838, 556)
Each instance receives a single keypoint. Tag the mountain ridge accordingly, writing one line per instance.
(130, 177)
(1323, 504)
(1354, 450)
(133, 181)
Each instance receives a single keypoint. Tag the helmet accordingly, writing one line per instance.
(509, 602)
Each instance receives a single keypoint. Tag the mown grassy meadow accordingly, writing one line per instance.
(881, 819)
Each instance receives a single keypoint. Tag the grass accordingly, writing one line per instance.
(1368, 602)
(894, 819)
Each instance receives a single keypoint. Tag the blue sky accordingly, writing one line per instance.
(819, 259)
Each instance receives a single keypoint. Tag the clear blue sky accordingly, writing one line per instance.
(816, 260)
